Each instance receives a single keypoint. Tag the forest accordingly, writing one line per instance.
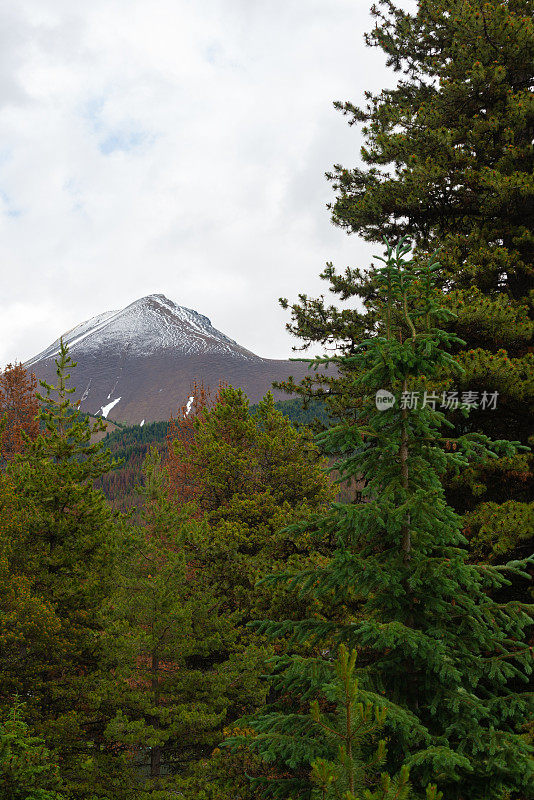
(327, 598)
(129, 445)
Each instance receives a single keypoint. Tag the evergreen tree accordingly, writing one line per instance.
(19, 407)
(27, 769)
(253, 474)
(67, 548)
(445, 659)
(448, 159)
(179, 669)
(29, 626)
(340, 733)
(130, 445)
(350, 733)
(457, 130)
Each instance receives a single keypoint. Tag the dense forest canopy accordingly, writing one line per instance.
(129, 444)
(329, 597)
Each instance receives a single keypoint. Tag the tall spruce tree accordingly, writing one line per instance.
(448, 158)
(446, 660)
(66, 551)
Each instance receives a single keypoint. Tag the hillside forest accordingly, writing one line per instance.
(328, 597)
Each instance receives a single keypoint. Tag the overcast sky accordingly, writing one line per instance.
(175, 147)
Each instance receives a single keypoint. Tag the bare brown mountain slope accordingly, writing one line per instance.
(138, 364)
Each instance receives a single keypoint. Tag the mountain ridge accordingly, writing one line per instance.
(173, 326)
(140, 362)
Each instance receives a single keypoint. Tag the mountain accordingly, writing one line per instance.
(138, 364)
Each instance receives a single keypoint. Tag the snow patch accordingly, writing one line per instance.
(86, 392)
(189, 404)
(141, 423)
(106, 409)
(114, 387)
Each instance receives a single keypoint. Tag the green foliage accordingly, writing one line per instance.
(130, 444)
(351, 730)
(457, 130)
(63, 555)
(448, 659)
(342, 730)
(29, 626)
(309, 414)
(495, 529)
(27, 769)
(254, 474)
(54, 477)
(251, 473)
(447, 160)
(178, 667)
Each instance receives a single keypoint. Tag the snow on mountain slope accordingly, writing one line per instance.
(146, 326)
(140, 363)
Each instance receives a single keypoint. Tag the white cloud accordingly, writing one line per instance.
(173, 146)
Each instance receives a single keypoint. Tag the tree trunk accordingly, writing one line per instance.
(155, 752)
(403, 453)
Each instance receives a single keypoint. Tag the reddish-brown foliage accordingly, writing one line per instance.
(184, 482)
(18, 408)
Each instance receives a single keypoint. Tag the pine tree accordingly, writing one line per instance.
(177, 670)
(19, 407)
(254, 474)
(445, 659)
(448, 159)
(68, 551)
(458, 131)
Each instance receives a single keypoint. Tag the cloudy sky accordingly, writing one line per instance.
(173, 146)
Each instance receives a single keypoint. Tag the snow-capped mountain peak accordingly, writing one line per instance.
(142, 362)
(148, 325)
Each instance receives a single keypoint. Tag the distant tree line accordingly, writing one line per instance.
(130, 444)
